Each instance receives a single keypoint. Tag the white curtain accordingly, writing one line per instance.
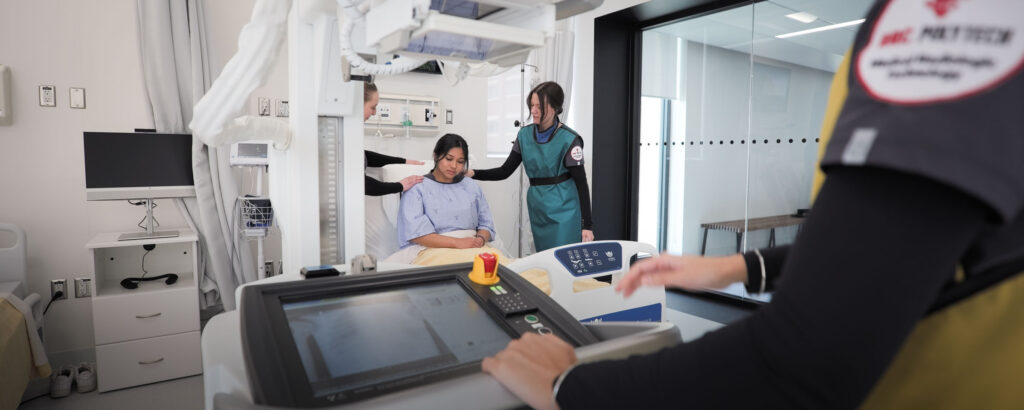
(176, 70)
(553, 62)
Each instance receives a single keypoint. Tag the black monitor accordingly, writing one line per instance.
(130, 165)
(138, 165)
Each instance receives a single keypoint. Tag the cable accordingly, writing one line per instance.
(144, 271)
(156, 223)
(56, 296)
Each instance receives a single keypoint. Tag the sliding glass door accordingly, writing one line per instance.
(731, 108)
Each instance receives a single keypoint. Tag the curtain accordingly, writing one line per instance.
(175, 65)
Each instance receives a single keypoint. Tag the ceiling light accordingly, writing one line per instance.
(802, 17)
(823, 28)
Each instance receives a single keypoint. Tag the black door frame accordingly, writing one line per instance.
(616, 154)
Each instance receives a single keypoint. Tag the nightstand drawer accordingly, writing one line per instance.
(127, 364)
(149, 314)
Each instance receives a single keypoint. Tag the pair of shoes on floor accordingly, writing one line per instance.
(83, 375)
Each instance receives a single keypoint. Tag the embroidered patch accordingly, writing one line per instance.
(577, 153)
(927, 51)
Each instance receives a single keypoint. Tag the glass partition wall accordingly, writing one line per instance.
(731, 107)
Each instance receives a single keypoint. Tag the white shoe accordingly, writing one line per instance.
(60, 382)
(85, 377)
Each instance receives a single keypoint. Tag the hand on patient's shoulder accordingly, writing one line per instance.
(413, 162)
(409, 181)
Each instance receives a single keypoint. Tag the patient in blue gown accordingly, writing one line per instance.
(445, 202)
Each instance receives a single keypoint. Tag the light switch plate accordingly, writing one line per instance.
(77, 97)
(47, 96)
(263, 106)
(282, 108)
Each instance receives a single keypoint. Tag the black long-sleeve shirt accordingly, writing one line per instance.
(843, 305)
(578, 174)
(372, 186)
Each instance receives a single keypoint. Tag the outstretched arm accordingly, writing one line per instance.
(849, 299)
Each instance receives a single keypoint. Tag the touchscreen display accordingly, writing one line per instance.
(356, 341)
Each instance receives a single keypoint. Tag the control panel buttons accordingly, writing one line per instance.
(511, 303)
(544, 331)
(531, 319)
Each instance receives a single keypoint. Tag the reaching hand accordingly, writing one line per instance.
(588, 235)
(687, 272)
(409, 181)
(470, 173)
(529, 365)
(413, 162)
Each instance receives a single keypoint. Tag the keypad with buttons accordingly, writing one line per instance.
(511, 303)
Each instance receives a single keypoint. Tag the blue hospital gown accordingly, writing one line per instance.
(435, 207)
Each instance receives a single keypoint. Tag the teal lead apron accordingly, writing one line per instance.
(554, 208)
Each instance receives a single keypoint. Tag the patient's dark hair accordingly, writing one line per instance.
(446, 143)
(548, 92)
(369, 89)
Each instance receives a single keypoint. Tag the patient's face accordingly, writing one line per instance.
(451, 164)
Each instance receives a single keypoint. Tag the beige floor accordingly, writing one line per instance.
(185, 394)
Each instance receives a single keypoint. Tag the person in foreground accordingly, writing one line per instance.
(904, 288)
(445, 202)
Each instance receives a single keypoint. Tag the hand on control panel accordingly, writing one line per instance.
(529, 365)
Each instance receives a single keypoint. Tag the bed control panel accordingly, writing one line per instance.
(588, 259)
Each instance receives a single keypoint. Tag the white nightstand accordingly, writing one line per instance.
(150, 333)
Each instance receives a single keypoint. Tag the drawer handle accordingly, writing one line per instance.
(153, 361)
(148, 316)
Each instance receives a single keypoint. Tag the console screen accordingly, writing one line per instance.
(358, 341)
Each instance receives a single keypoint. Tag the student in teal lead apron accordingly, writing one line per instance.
(552, 155)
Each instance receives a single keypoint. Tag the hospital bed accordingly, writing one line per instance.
(21, 349)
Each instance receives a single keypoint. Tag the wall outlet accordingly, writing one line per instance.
(59, 285)
(447, 116)
(83, 287)
(263, 106)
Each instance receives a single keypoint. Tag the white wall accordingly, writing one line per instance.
(94, 45)
(67, 44)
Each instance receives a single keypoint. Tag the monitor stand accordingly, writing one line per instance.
(150, 233)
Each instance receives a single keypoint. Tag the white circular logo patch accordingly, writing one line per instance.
(577, 153)
(926, 51)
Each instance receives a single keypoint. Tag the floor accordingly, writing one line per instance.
(185, 393)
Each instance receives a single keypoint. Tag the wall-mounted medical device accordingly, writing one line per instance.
(417, 112)
(250, 153)
(5, 95)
